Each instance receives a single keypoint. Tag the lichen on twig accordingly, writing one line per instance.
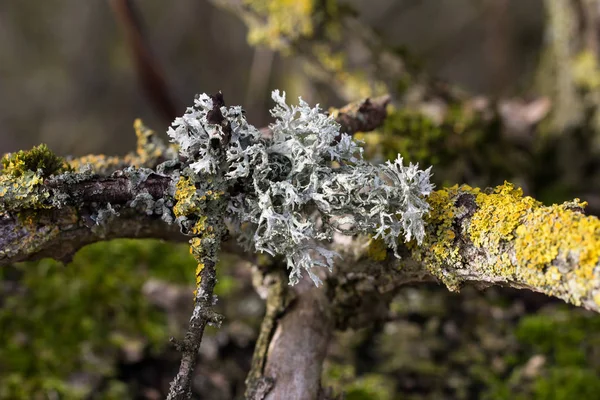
(297, 188)
(283, 195)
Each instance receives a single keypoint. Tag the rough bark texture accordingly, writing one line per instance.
(489, 237)
(181, 387)
(58, 233)
(293, 340)
(299, 345)
(498, 237)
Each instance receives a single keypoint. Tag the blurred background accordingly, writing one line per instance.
(67, 75)
(484, 90)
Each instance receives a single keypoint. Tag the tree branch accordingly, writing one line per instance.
(491, 237)
(293, 340)
(484, 238)
(150, 74)
(60, 232)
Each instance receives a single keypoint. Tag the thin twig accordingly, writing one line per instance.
(181, 387)
(150, 73)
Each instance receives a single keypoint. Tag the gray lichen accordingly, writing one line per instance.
(145, 203)
(292, 191)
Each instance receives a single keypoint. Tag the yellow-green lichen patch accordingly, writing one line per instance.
(377, 250)
(199, 270)
(555, 249)
(40, 158)
(22, 176)
(22, 192)
(585, 70)
(280, 21)
(498, 215)
(150, 150)
(438, 251)
(597, 298)
(195, 246)
(352, 82)
(99, 162)
(187, 198)
(560, 235)
(200, 226)
(192, 201)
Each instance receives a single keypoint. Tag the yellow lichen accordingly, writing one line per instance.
(377, 250)
(195, 243)
(199, 270)
(558, 234)
(149, 151)
(148, 148)
(22, 176)
(438, 251)
(200, 226)
(280, 21)
(585, 70)
(554, 249)
(597, 299)
(187, 198)
(351, 81)
(498, 215)
(99, 162)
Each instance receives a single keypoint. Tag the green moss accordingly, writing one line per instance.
(419, 138)
(377, 250)
(342, 379)
(566, 337)
(412, 134)
(567, 384)
(22, 176)
(370, 386)
(39, 158)
(75, 319)
(567, 340)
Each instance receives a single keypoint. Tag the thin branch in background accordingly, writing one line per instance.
(150, 73)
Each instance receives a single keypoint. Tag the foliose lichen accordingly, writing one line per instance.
(295, 189)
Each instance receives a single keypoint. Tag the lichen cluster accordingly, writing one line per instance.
(199, 207)
(297, 188)
(498, 215)
(439, 251)
(22, 176)
(555, 249)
